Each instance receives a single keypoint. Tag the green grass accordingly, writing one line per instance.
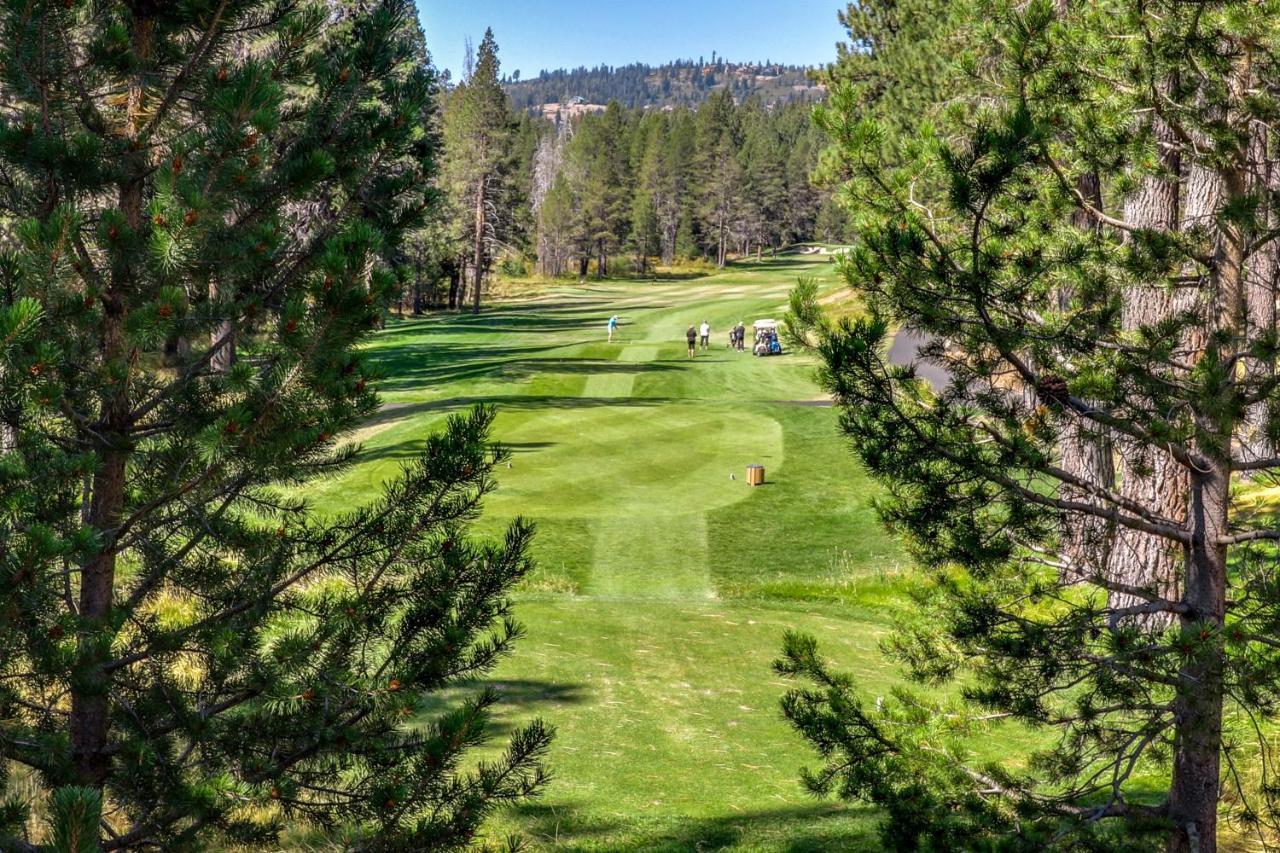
(663, 586)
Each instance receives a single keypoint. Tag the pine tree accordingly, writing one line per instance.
(763, 169)
(720, 188)
(555, 228)
(804, 199)
(674, 197)
(189, 656)
(548, 202)
(607, 182)
(670, 183)
(901, 61)
(644, 238)
(478, 132)
(1144, 311)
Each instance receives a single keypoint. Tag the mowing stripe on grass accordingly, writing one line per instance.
(655, 557)
(618, 383)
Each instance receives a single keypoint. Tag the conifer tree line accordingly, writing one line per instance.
(630, 187)
(206, 207)
(645, 186)
(1076, 206)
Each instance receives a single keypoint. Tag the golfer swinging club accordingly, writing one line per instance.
(613, 326)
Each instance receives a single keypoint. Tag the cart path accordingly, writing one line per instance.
(662, 557)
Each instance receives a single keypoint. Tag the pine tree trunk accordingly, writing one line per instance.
(1194, 793)
(463, 265)
(457, 281)
(1261, 295)
(176, 350)
(1150, 475)
(222, 338)
(1086, 451)
(1087, 541)
(90, 693)
(669, 243)
(478, 264)
(89, 722)
(1195, 789)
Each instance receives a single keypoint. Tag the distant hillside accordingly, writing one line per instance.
(682, 83)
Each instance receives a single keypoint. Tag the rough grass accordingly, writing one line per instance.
(663, 585)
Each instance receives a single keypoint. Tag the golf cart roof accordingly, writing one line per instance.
(765, 324)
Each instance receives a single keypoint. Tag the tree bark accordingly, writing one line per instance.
(416, 293)
(1197, 755)
(225, 355)
(462, 285)
(1150, 475)
(89, 722)
(1194, 793)
(176, 350)
(1086, 451)
(1264, 268)
(478, 264)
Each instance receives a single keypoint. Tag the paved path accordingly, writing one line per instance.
(905, 350)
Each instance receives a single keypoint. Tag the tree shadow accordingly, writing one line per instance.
(409, 448)
(527, 446)
(821, 827)
(408, 377)
(518, 700)
(525, 317)
(509, 402)
(790, 261)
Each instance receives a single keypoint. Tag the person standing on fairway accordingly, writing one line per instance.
(613, 326)
(692, 337)
(705, 331)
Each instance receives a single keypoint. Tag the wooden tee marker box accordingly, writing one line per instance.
(755, 475)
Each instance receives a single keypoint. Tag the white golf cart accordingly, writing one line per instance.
(766, 339)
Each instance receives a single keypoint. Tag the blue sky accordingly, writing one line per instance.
(543, 34)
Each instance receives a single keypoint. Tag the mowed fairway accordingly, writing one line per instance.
(663, 586)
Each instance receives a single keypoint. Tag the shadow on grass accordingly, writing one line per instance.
(520, 317)
(518, 699)
(442, 364)
(587, 312)
(803, 829)
(509, 402)
(527, 446)
(631, 277)
(782, 263)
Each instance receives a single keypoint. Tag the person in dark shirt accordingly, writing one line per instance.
(692, 337)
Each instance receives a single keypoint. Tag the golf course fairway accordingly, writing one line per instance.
(663, 584)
